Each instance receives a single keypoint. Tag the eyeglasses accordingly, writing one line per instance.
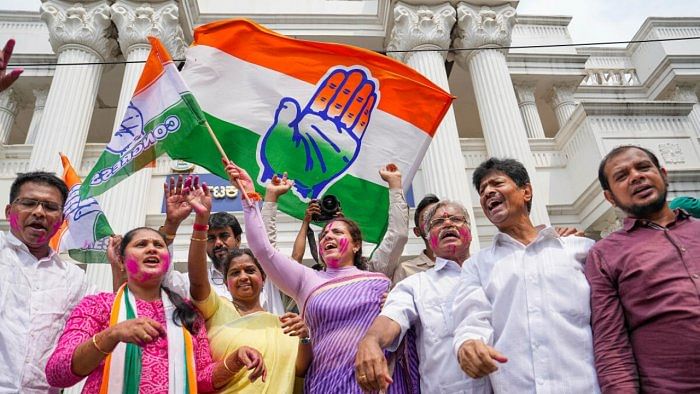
(456, 220)
(29, 204)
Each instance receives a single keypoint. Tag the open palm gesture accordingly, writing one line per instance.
(197, 195)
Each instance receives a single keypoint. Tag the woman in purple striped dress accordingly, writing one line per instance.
(338, 304)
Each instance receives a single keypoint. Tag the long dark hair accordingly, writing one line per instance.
(356, 235)
(184, 314)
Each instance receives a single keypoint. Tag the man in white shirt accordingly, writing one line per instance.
(522, 309)
(423, 301)
(37, 290)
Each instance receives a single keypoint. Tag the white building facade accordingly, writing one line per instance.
(557, 109)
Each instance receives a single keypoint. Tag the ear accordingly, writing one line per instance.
(416, 232)
(609, 196)
(7, 211)
(527, 192)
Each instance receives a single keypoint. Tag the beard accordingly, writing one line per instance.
(644, 211)
(218, 263)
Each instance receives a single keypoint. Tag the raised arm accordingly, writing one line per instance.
(300, 241)
(387, 256)
(199, 198)
(614, 360)
(286, 273)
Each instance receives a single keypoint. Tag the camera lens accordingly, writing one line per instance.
(330, 203)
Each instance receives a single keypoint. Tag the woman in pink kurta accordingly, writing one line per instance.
(131, 352)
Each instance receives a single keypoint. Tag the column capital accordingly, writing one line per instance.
(135, 21)
(480, 26)
(685, 92)
(40, 96)
(420, 27)
(562, 94)
(8, 100)
(525, 92)
(86, 25)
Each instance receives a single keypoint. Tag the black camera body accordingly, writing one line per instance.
(330, 206)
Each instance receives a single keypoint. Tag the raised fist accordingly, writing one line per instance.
(316, 144)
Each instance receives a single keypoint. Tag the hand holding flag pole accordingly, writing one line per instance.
(226, 160)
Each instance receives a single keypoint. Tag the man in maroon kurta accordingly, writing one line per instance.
(645, 283)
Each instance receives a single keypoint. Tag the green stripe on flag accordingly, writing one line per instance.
(241, 145)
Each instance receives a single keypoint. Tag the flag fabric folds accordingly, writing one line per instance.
(162, 112)
(329, 115)
(85, 231)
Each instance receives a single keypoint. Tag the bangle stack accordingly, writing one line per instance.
(200, 227)
(226, 366)
(198, 239)
(168, 237)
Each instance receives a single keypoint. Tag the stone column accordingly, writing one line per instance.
(688, 93)
(39, 103)
(79, 33)
(429, 27)
(134, 22)
(8, 111)
(563, 103)
(489, 29)
(525, 93)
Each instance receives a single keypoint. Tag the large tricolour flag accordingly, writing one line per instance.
(329, 115)
(161, 113)
(85, 232)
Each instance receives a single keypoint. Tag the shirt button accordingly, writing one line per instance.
(695, 276)
(540, 382)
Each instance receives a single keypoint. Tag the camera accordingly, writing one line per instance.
(330, 206)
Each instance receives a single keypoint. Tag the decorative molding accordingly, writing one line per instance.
(40, 96)
(420, 27)
(483, 27)
(683, 92)
(562, 94)
(136, 21)
(9, 101)
(87, 25)
(671, 153)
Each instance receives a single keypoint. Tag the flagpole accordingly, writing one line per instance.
(223, 154)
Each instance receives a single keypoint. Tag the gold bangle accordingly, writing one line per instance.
(227, 368)
(198, 239)
(94, 342)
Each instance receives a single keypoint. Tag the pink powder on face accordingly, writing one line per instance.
(165, 262)
(342, 245)
(14, 221)
(466, 234)
(434, 241)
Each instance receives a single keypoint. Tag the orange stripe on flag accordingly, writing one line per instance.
(405, 93)
(157, 58)
(71, 178)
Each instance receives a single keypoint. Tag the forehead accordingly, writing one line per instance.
(39, 191)
(242, 261)
(626, 158)
(146, 234)
(219, 230)
(493, 175)
(447, 209)
(337, 224)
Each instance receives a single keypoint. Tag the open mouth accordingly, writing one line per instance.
(493, 203)
(330, 246)
(37, 226)
(642, 190)
(448, 233)
(151, 261)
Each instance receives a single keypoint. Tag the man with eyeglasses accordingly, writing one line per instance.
(426, 259)
(37, 289)
(522, 309)
(423, 302)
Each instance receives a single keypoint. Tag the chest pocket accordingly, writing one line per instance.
(438, 313)
(570, 292)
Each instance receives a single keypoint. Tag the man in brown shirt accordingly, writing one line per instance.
(645, 283)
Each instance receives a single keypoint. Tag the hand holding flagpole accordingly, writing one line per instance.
(226, 160)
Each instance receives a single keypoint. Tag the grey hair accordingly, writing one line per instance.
(429, 213)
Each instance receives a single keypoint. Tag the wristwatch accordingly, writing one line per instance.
(305, 340)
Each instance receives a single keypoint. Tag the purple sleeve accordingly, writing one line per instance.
(292, 278)
(202, 356)
(88, 318)
(615, 363)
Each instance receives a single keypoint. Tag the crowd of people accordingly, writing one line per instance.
(541, 309)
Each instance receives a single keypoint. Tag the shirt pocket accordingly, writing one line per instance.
(568, 290)
(438, 321)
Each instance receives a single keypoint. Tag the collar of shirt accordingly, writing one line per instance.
(630, 223)
(544, 233)
(425, 260)
(441, 263)
(16, 244)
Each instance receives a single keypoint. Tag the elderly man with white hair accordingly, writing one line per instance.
(424, 302)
